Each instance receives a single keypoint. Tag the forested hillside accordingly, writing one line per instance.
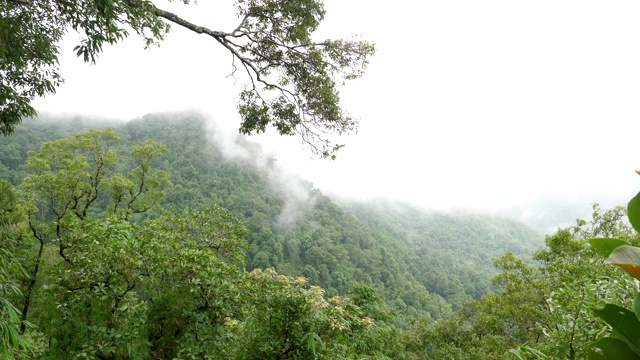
(449, 252)
(155, 239)
(410, 256)
(164, 237)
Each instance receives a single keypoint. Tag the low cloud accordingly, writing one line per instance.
(237, 147)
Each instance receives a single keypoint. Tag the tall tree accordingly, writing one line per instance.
(293, 78)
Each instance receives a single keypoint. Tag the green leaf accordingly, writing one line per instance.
(606, 245)
(623, 321)
(611, 349)
(636, 305)
(633, 211)
(516, 353)
(628, 258)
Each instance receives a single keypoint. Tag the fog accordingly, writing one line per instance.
(237, 147)
(524, 109)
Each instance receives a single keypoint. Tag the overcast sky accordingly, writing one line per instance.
(467, 103)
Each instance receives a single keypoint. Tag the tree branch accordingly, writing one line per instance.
(276, 50)
(221, 36)
(189, 25)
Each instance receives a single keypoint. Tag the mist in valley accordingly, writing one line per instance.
(545, 213)
(534, 123)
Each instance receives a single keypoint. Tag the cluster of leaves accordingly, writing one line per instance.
(273, 44)
(28, 59)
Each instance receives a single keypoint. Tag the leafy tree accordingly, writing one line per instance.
(293, 78)
(67, 177)
(73, 252)
(289, 321)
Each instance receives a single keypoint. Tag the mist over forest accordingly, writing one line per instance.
(322, 202)
(545, 213)
(183, 210)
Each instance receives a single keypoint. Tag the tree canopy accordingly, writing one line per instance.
(293, 78)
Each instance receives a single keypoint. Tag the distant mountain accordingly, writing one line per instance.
(420, 261)
(451, 252)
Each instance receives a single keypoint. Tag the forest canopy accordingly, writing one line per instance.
(145, 241)
(93, 267)
(168, 195)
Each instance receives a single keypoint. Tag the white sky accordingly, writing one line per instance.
(477, 104)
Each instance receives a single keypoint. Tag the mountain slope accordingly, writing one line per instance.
(421, 262)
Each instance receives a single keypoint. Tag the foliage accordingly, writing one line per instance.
(106, 277)
(289, 321)
(406, 255)
(432, 241)
(543, 308)
(10, 338)
(292, 83)
(625, 342)
(275, 38)
(28, 59)
(108, 273)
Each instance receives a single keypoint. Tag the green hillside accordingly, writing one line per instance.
(159, 239)
(421, 261)
(450, 253)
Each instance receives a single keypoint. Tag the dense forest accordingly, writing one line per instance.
(150, 240)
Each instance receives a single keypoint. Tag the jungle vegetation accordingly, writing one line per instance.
(149, 240)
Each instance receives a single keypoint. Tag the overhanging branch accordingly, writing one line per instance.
(219, 36)
(276, 50)
(189, 25)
